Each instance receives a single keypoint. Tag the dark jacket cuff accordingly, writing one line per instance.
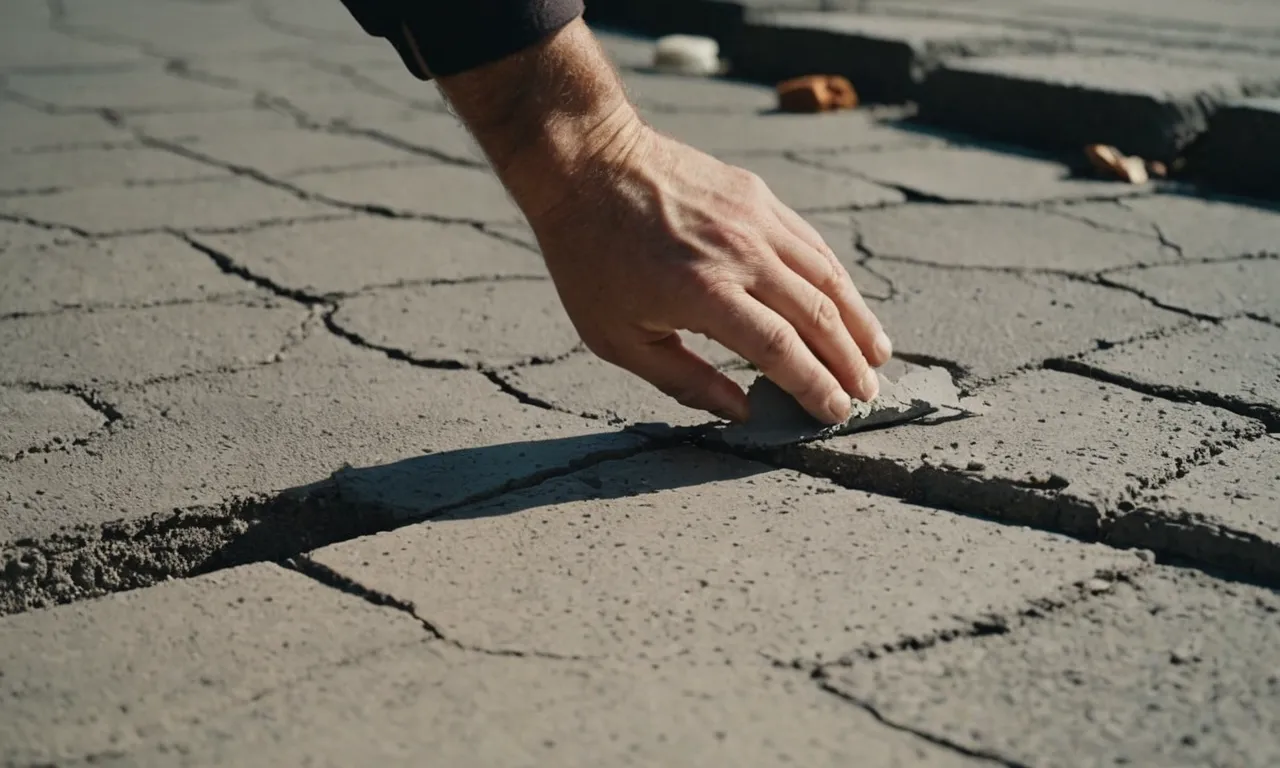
(444, 37)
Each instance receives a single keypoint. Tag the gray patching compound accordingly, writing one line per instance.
(777, 419)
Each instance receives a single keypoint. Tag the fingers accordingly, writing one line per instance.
(818, 321)
(671, 367)
(823, 270)
(761, 335)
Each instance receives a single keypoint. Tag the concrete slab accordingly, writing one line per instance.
(35, 420)
(990, 323)
(963, 174)
(292, 151)
(125, 91)
(347, 255)
(23, 129)
(1240, 152)
(185, 127)
(886, 57)
(433, 190)
(774, 133)
(1057, 452)
(1178, 669)
(1203, 229)
(1235, 365)
(393, 707)
(203, 470)
(215, 204)
(653, 92)
(431, 135)
(20, 235)
(701, 556)
(183, 30)
(474, 324)
(33, 47)
(1238, 489)
(128, 270)
(808, 188)
(1215, 290)
(23, 173)
(108, 676)
(587, 385)
(129, 345)
(1145, 108)
(1000, 237)
(707, 536)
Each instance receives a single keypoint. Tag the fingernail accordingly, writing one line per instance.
(870, 385)
(884, 347)
(839, 406)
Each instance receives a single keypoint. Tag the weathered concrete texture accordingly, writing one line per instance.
(701, 556)
(1003, 238)
(286, 152)
(773, 133)
(1239, 489)
(1178, 669)
(1235, 365)
(135, 90)
(215, 204)
(104, 677)
(777, 419)
(809, 188)
(886, 57)
(351, 254)
(393, 708)
(120, 345)
(33, 420)
(84, 168)
(1151, 109)
(961, 174)
(1059, 452)
(26, 129)
(585, 384)
(181, 30)
(201, 441)
(421, 135)
(1215, 289)
(1202, 229)
(25, 47)
(991, 323)
(490, 324)
(127, 270)
(433, 190)
(187, 127)
(1241, 151)
(14, 235)
(672, 93)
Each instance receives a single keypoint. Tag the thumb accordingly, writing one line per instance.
(675, 370)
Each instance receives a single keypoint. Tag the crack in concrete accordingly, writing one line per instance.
(333, 579)
(112, 419)
(937, 741)
(94, 560)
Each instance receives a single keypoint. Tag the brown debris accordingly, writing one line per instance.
(1113, 162)
(816, 93)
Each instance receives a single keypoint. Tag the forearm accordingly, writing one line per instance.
(546, 115)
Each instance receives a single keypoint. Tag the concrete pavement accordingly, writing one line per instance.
(301, 462)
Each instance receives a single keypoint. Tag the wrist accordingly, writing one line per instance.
(549, 118)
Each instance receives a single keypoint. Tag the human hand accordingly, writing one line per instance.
(658, 237)
(645, 237)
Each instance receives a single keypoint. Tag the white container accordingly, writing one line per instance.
(687, 55)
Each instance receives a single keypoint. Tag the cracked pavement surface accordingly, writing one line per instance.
(301, 461)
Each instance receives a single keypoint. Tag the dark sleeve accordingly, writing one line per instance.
(452, 36)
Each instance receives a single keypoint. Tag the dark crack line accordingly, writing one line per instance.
(61, 309)
(938, 741)
(501, 383)
(1268, 415)
(362, 83)
(111, 418)
(333, 579)
(1106, 282)
(343, 128)
(46, 225)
